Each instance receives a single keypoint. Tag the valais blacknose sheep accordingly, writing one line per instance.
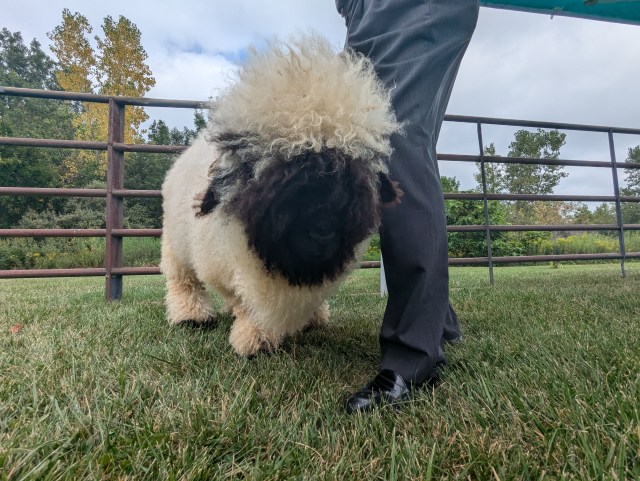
(273, 204)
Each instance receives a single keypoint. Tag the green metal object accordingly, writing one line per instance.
(622, 11)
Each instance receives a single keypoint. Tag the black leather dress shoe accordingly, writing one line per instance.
(387, 388)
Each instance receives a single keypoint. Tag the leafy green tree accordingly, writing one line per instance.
(582, 214)
(605, 213)
(22, 65)
(147, 171)
(494, 175)
(631, 210)
(29, 67)
(533, 178)
(526, 178)
(449, 184)
(543, 145)
(633, 175)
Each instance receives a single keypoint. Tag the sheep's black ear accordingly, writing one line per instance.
(222, 186)
(208, 201)
(390, 192)
(232, 179)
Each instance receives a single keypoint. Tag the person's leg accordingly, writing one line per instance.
(416, 47)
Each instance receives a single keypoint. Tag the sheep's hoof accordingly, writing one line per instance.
(319, 319)
(248, 340)
(208, 323)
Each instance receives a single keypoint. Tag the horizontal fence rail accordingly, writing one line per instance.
(114, 193)
(103, 99)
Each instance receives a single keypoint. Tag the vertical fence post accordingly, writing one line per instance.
(616, 192)
(487, 223)
(115, 211)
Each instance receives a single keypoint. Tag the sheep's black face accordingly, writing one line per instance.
(305, 216)
(303, 233)
(314, 231)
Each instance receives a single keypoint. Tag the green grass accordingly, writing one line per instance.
(545, 386)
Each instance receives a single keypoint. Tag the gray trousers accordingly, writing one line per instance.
(416, 47)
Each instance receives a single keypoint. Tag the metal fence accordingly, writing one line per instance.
(115, 194)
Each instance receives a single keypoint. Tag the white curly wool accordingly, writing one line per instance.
(303, 96)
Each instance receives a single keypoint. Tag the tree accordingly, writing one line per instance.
(605, 213)
(147, 171)
(554, 213)
(76, 59)
(520, 178)
(493, 172)
(534, 178)
(449, 184)
(22, 66)
(582, 214)
(631, 210)
(633, 175)
(29, 67)
(77, 73)
(117, 68)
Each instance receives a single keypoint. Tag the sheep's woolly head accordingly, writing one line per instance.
(303, 140)
(302, 96)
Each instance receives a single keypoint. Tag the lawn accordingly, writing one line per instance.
(545, 385)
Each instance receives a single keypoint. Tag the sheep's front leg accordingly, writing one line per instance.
(320, 317)
(247, 338)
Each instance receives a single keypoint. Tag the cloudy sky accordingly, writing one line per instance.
(519, 65)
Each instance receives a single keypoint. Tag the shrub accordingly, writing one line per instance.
(373, 252)
(66, 253)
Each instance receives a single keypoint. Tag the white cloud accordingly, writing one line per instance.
(190, 76)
